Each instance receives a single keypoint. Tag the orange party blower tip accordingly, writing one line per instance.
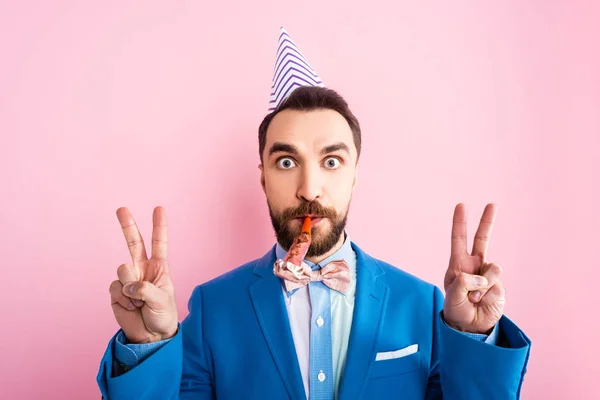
(306, 225)
(300, 245)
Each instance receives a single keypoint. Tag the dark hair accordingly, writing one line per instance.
(310, 98)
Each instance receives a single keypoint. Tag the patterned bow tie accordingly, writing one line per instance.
(335, 275)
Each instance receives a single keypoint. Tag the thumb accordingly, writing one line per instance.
(492, 272)
(464, 283)
(146, 292)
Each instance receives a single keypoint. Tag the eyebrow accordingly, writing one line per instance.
(335, 147)
(279, 147)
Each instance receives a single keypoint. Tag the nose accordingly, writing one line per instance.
(310, 187)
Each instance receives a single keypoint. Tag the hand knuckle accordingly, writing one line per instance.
(481, 237)
(496, 290)
(135, 241)
(462, 279)
(501, 289)
(496, 268)
(123, 270)
(114, 286)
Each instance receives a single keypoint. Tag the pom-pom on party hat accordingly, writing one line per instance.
(291, 71)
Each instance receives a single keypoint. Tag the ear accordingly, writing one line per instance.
(262, 177)
(355, 176)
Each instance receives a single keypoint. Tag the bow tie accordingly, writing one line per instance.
(335, 275)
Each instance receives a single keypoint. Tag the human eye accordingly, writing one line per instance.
(333, 163)
(286, 163)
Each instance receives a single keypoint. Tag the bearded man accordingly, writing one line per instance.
(336, 324)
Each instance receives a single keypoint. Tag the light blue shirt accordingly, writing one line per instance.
(320, 320)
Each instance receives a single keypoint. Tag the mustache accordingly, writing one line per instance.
(313, 207)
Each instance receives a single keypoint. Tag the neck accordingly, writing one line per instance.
(338, 245)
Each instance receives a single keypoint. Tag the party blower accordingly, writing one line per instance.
(293, 259)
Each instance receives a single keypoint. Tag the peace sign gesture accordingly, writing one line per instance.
(143, 298)
(474, 293)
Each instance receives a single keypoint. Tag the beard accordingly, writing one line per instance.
(322, 239)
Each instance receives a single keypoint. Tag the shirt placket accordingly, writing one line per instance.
(321, 381)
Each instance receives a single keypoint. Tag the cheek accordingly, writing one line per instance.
(339, 189)
(280, 190)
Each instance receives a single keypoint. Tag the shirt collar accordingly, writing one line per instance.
(343, 253)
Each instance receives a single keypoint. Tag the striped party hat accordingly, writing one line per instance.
(291, 71)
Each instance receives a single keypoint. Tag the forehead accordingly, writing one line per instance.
(310, 131)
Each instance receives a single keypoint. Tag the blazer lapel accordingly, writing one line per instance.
(369, 310)
(269, 305)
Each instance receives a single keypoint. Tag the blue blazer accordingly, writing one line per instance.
(236, 343)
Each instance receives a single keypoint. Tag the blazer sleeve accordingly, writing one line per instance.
(465, 368)
(178, 370)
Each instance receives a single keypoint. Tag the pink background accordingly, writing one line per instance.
(113, 103)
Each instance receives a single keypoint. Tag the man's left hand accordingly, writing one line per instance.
(474, 293)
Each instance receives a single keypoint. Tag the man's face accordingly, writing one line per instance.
(309, 168)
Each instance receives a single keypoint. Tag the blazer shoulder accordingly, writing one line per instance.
(240, 274)
(235, 279)
(398, 278)
(395, 278)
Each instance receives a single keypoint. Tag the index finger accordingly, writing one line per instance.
(459, 230)
(135, 243)
(484, 231)
(159, 234)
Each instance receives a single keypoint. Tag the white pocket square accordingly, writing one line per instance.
(389, 355)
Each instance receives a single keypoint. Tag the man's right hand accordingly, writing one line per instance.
(143, 298)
